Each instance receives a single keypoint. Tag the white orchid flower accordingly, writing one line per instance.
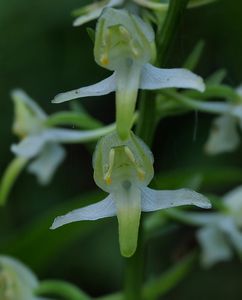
(220, 232)
(224, 134)
(125, 44)
(43, 143)
(17, 282)
(124, 169)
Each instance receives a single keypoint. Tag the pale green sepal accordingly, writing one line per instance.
(17, 281)
(10, 176)
(214, 245)
(103, 209)
(153, 78)
(223, 136)
(103, 87)
(155, 200)
(29, 117)
(45, 165)
(128, 203)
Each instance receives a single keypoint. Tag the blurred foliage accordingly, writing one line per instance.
(43, 54)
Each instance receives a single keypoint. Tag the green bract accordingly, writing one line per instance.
(124, 169)
(17, 282)
(125, 44)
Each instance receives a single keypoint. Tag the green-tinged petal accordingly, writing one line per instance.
(103, 87)
(10, 176)
(45, 165)
(153, 78)
(29, 117)
(127, 82)
(128, 202)
(121, 37)
(30, 146)
(21, 96)
(155, 200)
(103, 209)
(223, 135)
(214, 245)
(17, 282)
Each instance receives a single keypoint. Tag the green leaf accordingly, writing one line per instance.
(217, 77)
(194, 57)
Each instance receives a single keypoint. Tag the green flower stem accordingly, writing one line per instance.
(145, 129)
(81, 120)
(61, 288)
(147, 117)
(164, 283)
(166, 34)
(9, 177)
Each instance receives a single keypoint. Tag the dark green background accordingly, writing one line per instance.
(43, 54)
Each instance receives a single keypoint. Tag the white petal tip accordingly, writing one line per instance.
(206, 205)
(201, 87)
(56, 100)
(57, 223)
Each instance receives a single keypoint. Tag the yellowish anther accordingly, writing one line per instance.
(108, 180)
(107, 176)
(104, 59)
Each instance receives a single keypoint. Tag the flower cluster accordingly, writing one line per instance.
(123, 164)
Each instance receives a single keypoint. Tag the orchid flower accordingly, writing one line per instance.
(93, 11)
(125, 44)
(220, 232)
(124, 169)
(224, 135)
(41, 142)
(17, 282)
